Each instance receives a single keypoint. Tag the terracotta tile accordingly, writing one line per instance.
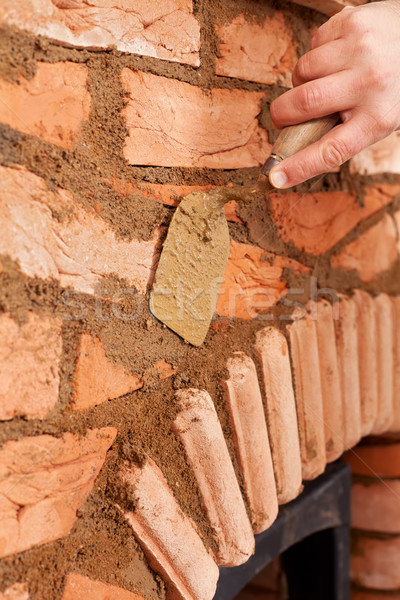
(384, 347)
(377, 460)
(175, 124)
(161, 29)
(43, 482)
(372, 253)
(308, 393)
(250, 434)
(382, 157)
(79, 587)
(265, 52)
(396, 360)
(97, 379)
(347, 346)
(272, 350)
(375, 563)
(200, 432)
(18, 591)
(367, 359)
(79, 251)
(330, 381)
(375, 506)
(30, 358)
(167, 535)
(52, 105)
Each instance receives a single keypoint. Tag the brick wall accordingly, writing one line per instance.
(118, 440)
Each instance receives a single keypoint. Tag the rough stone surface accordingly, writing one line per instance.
(375, 563)
(43, 482)
(372, 253)
(382, 157)
(96, 378)
(375, 506)
(375, 460)
(52, 105)
(272, 350)
(253, 281)
(249, 428)
(200, 432)
(77, 249)
(79, 587)
(257, 52)
(385, 365)
(18, 591)
(29, 375)
(174, 124)
(308, 393)
(316, 222)
(164, 29)
(167, 535)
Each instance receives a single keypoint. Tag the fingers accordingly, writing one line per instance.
(333, 29)
(324, 60)
(340, 91)
(337, 146)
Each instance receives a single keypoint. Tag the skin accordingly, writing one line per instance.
(353, 68)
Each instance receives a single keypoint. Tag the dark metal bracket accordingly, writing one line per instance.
(313, 533)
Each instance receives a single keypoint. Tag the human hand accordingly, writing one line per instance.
(353, 67)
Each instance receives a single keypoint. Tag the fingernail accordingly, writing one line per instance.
(278, 178)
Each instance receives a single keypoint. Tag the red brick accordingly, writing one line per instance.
(167, 536)
(79, 587)
(330, 381)
(396, 360)
(367, 360)
(18, 591)
(252, 281)
(308, 393)
(43, 482)
(329, 7)
(250, 434)
(377, 460)
(384, 352)
(375, 563)
(375, 506)
(97, 378)
(347, 346)
(316, 222)
(200, 432)
(272, 350)
(30, 357)
(372, 253)
(163, 29)
(52, 105)
(382, 157)
(257, 52)
(78, 251)
(174, 124)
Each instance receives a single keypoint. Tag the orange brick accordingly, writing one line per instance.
(316, 222)
(250, 434)
(382, 157)
(174, 124)
(252, 281)
(79, 587)
(97, 378)
(164, 369)
(30, 357)
(18, 591)
(372, 253)
(52, 105)
(308, 392)
(330, 381)
(375, 506)
(367, 360)
(78, 251)
(375, 563)
(167, 536)
(163, 29)
(200, 432)
(43, 482)
(384, 353)
(347, 346)
(265, 53)
(396, 360)
(329, 7)
(272, 350)
(377, 460)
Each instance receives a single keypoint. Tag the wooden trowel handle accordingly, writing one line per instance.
(297, 137)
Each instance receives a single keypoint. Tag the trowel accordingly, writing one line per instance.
(195, 252)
